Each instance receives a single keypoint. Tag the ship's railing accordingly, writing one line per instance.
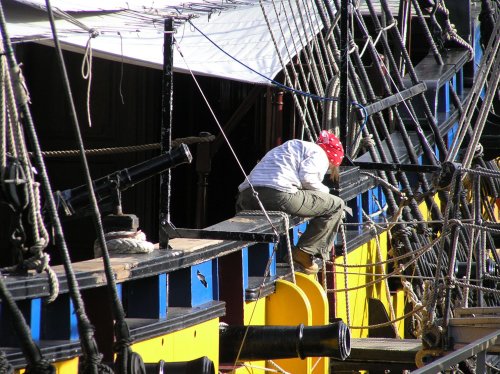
(478, 348)
(162, 292)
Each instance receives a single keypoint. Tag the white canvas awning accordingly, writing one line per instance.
(237, 43)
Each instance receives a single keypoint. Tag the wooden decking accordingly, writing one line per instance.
(379, 354)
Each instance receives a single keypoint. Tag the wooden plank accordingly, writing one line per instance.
(475, 311)
(190, 245)
(463, 335)
(475, 321)
(384, 349)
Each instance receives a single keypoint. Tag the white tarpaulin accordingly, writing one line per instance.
(240, 38)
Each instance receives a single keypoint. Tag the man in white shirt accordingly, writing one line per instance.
(289, 178)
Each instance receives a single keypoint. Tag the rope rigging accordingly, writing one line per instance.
(91, 355)
(122, 335)
(21, 193)
(409, 233)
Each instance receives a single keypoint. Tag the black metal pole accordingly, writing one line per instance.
(344, 63)
(479, 244)
(452, 254)
(203, 168)
(166, 126)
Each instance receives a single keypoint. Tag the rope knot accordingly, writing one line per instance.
(370, 225)
(38, 246)
(37, 262)
(94, 33)
(20, 89)
(455, 221)
(42, 366)
(368, 141)
(450, 282)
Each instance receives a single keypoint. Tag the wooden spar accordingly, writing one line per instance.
(166, 125)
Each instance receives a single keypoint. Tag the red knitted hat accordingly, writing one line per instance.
(332, 146)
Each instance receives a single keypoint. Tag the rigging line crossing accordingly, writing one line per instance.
(380, 117)
(303, 114)
(121, 331)
(310, 124)
(310, 46)
(374, 42)
(473, 96)
(305, 48)
(226, 139)
(392, 321)
(298, 55)
(39, 260)
(419, 251)
(318, 43)
(87, 337)
(413, 75)
(334, 59)
(491, 92)
(346, 285)
(399, 82)
(286, 88)
(377, 60)
(325, 45)
(379, 258)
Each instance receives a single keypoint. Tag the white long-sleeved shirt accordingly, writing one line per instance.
(294, 165)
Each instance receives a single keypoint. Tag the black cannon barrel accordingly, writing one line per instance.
(491, 268)
(275, 342)
(202, 365)
(74, 199)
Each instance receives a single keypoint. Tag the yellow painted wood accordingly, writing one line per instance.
(425, 211)
(317, 298)
(289, 305)
(254, 314)
(399, 306)
(357, 299)
(319, 305)
(183, 345)
(359, 276)
(254, 367)
(62, 367)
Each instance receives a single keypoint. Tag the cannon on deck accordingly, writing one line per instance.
(247, 343)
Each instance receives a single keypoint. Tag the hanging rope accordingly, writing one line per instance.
(391, 322)
(5, 366)
(346, 285)
(372, 228)
(473, 97)
(87, 71)
(263, 211)
(35, 361)
(34, 256)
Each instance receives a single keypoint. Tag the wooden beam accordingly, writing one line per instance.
(236, 117)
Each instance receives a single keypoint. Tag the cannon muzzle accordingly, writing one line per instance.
(275, 342)
(76, 200)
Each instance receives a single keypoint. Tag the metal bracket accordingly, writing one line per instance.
(392, 100)
(257, 237)
(397, 167)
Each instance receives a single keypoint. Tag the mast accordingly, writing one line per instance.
(166, 126)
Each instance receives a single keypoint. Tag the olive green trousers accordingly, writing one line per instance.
(324, 209)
